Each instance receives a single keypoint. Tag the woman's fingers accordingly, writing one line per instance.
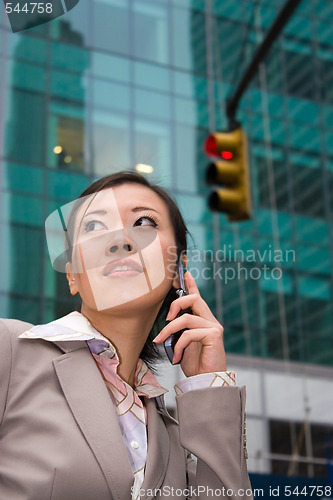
(193, 301)
(190, 283)
(188, 321)
(202, 337)
(211, 348)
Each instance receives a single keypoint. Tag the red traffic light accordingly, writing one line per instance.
(210, 145)
(229, 173)
(220, 145)
(227, 155)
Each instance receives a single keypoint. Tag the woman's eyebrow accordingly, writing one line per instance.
(98, 212)
(140, 209)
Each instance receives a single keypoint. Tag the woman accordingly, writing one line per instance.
(82, 415)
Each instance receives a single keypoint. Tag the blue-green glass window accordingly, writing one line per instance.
(278, 171)
(151, 37)
(323, 9)
(324, 32)
(267, 16)
(6, 252)
(301, 110)
(269, 221)
(26, 245)
(109, 95)
(153, 147)
(74, 27)
(313, 259)
(194, 4)
(25, 126)
(228, 35)
(304, 137)
(299, 27)
(328, 137)
(300, 76)
(111, 140)
(308, 190)
(192, 207)
(186, 146)
(21, 209)
(311, 230)
(193, 113)
(26, 309)
(317, 288)
(27, 76)
(189, 41)
(151, 76)
(152, 104)
(65, 185)
(281, 254)
(274, 102)
(110, 67)
(111, 26)
(69, 57)
(316, 310)
(229, 10)
(277, 130)
(22, 178)
(71, 86)
(66, 129)
(23, 46)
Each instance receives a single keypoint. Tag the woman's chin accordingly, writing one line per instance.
(127, 299)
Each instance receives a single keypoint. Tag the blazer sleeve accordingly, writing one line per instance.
(212, 427)
(10, 329)
(5, 366)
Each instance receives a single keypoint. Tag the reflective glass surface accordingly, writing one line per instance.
(118, 83)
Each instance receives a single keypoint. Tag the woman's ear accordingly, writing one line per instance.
(71, 279)
(176, 282)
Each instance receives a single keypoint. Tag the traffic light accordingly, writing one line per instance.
(231, 171)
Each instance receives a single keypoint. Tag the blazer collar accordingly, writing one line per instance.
(93, 409)
(158, 448)
(94, 412)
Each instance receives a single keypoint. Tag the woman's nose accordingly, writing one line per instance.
(126, 246)
(120, 244)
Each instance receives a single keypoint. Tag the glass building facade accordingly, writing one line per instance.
(116, 83)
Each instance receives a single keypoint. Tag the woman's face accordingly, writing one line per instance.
(124, 249)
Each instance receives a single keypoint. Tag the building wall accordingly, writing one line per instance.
(117, 83)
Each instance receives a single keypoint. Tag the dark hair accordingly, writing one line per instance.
(150, 352)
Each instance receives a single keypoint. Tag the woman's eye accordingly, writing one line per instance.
(93, 225)
(145, 221)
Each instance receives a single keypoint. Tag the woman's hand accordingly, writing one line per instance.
(203, 335)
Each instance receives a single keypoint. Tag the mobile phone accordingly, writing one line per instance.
(170, 342)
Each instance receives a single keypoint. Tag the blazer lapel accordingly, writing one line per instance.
(158, 448)
(93, 410)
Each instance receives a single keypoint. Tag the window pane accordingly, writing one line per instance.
(111, 142)
(111, 25)
(151, 39)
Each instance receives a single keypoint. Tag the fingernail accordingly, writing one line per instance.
(168, 316)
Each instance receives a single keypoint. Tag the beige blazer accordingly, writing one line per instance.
(60, 438)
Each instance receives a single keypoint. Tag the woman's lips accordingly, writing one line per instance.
(122, 268)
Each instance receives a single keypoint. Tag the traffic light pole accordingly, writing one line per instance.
(274, 31)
